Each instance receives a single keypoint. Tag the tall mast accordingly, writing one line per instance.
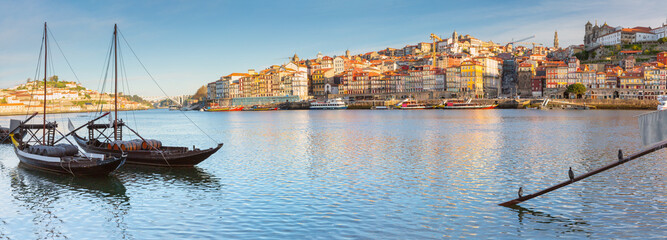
(45, 59)
(115, 95)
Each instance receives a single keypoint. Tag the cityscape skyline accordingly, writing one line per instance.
(186, 46)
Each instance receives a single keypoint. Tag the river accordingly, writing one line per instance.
(357, 174)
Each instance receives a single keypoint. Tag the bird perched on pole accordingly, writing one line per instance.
(571, 174)
(520, 193)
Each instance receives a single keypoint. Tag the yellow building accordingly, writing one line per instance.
(472, 74)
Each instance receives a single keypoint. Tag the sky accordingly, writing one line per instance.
(186, 44)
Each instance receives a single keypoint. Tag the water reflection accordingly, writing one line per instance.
(193, 178)
(544, 221)
(50, 196)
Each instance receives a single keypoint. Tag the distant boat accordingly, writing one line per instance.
(409, 104)
(330, 104)
(662, 99)
(224, 109)
(380, 108)
(466, 105)
(260, 108)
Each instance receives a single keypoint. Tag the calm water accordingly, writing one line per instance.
(356, 174)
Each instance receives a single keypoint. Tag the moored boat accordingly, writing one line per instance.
(409, 104)
(260, 108)
(466, 105)
(330, 104)
(224, 109)
(662, 100)
(41, 151)
(139, 151)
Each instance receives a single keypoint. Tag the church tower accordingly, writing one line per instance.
(455, 36)
(347, 54)
(556, 40)
(295, 58)
(588, 34)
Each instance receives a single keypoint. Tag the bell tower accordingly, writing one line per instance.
(556, 40)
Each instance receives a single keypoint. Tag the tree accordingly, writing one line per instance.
(201, 93)
(577, 89)
(53, 78)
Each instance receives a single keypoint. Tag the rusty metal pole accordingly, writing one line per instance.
(621, 160)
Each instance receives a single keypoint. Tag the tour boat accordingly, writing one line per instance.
(260, 108)
(41, 152)
(467, 105)
(330, 104)
(380, 108)
(224, 109)
(408, 104)
(662, 99)
(139, 151)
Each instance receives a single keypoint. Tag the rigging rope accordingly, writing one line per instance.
(162, 90)
(39, 64)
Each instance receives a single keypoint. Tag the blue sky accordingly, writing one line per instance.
(186, 44)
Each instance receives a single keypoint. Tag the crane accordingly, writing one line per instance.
(434, 37)
(511, 44)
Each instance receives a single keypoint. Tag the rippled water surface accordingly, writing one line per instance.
(355, 174)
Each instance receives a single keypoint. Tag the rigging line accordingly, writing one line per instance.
(63, 54)
(162, 90)
(105, 77)
(123, 80)
(126, 88)
(39, 64)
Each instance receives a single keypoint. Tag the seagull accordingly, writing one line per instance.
(620, 155)
(571, 173)
(520, 192)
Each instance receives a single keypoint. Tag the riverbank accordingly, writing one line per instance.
(621, 104)
(67, 111)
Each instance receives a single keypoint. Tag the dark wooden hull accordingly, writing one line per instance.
(167, 157)
(71, 165)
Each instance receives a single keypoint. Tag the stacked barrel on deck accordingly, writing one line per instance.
(59, 150)
(136, 144)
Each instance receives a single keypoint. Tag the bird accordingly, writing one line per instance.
(520, 193)
(571, 174)
(620, 155)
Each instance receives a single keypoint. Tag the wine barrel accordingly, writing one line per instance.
(150, 144)
(70, 150)
(129, 146)
(116, 145)
(54, 151)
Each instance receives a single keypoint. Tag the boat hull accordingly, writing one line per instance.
(225, 109)
(328, 107)
(167, 157)
(67, 165)
(471, 107)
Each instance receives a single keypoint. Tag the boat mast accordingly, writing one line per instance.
(45, 51)
(115, 101)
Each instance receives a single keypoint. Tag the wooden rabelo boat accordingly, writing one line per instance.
(41, 152)
(139, 151)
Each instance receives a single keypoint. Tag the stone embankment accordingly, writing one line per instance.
(504, 103)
